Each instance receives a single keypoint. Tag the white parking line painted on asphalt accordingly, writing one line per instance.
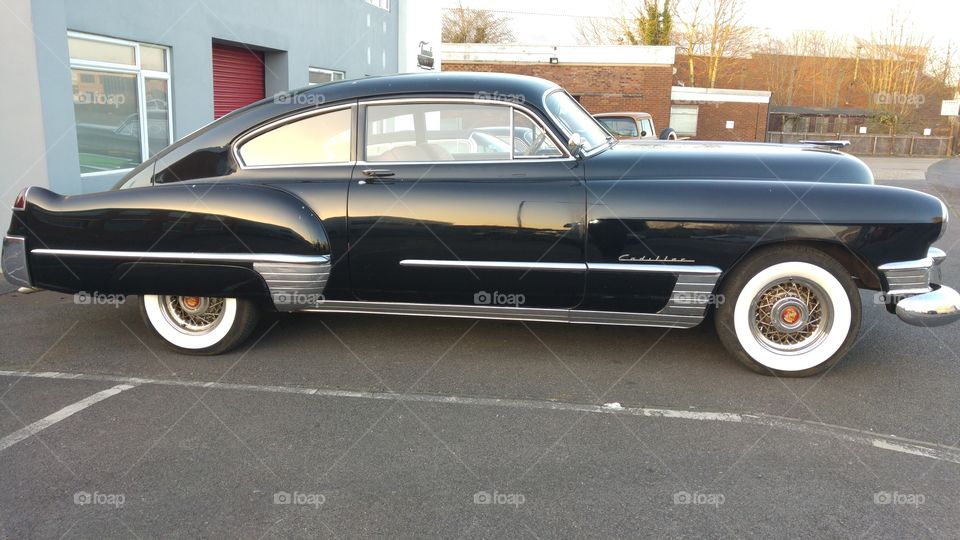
(28, 431)
(890, 443)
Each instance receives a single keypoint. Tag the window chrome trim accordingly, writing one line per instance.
(564, 153)
(289, 119)
(279, 258)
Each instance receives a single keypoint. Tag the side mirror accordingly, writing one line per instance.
(575, 145)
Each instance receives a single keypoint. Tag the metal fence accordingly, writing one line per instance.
(875, 145)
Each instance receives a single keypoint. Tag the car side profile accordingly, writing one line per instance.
(489, 196)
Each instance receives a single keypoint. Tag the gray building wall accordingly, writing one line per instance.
(22, 142)
(347, 35)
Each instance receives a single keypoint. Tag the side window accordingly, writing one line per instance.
(530, 140)
(437, 132)
(321, 138)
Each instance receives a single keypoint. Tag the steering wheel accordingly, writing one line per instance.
(536, 144)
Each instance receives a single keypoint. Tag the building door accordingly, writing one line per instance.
(237, 78)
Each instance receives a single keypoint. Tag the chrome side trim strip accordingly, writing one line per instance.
(660, 268)
(187, 256)
(14, 261)
(510, 313)
(691, 271)
(501, 265)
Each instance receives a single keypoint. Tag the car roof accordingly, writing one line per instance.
(493, 86)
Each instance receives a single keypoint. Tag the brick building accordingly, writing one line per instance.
(624, 79)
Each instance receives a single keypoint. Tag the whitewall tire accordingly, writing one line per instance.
(789, 312)
(199, 325)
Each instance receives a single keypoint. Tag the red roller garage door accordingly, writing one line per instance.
(237, 78)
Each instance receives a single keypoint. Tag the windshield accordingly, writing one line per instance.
(574, 119)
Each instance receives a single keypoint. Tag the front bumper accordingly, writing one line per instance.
(14, 261)
(914, 288)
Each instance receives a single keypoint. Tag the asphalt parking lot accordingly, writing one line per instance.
(369, 426)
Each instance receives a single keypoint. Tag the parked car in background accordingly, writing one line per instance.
(423, 195)
(633, 125)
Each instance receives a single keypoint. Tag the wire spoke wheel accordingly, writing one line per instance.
(790, 316)
(193, 315)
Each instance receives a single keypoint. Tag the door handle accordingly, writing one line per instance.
(378, 173)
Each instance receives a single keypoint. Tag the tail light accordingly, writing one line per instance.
(21, 201)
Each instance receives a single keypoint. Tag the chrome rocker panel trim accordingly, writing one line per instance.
(15, 261)
(691, 296)
(511, 313)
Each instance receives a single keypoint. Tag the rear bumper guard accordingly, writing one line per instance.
(14, 261)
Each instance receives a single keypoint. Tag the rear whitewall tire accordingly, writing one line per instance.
(802, 268)
(233, 324)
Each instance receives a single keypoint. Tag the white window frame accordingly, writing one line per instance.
(695, 114)
(382, 4)
(342, 74)
(142, 75)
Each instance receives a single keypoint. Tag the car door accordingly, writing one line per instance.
(464, 202)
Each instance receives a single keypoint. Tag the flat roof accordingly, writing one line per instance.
(722, 95)
(564, 54)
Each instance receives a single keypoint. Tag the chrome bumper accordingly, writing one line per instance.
(914, 287)
(14, 261)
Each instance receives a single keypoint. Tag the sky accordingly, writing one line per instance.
(554, 22)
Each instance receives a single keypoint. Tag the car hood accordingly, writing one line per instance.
(706, 160)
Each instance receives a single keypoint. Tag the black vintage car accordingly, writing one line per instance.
(408, 195)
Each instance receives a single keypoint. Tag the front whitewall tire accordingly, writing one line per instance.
(836, 331)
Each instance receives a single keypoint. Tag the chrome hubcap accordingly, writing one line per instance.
(791, 316)
(194, 315)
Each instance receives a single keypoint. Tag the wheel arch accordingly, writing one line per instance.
(863, 275)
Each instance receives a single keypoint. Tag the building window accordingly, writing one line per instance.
(683, 119)
(121, 101)
(321, 75)
(382, 4)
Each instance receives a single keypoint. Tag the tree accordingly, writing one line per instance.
(466, 25)
(897, 59)
(644, 23)
(714, 30)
